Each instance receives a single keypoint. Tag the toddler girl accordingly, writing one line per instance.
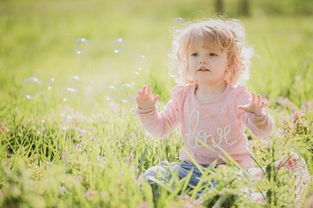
(211, 106)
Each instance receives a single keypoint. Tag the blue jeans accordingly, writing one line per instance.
(163, 172)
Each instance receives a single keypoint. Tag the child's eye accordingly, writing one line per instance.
(194, 54)
(212, 54)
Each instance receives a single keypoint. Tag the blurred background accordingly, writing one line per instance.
(89, 50)
(69, 74)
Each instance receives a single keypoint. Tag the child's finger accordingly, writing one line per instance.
(143, 92)
(254, 98)
(243, 107)
(253, 101)
(146, 90)
(149, 91)
(140, 91)
(259, 99)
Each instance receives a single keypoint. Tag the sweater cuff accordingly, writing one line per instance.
(260, 122)
(140, 110)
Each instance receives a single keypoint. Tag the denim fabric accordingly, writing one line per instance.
(163, 172)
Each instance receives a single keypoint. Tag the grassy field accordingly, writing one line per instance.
(77, 143)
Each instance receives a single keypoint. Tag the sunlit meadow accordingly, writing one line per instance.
(69, 74)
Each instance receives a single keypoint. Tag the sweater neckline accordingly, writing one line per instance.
(210, 101)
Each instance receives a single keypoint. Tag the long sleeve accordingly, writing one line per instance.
(161, 124)
(261, 127)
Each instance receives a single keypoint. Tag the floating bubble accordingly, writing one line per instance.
(141, 62)
(179, 20)
(110, 93)
(111, 96)
(297, 78)
(74, 85)
(113, 106)
(136, 77)
(174, 74)
(31, 87)
(118, 44)
(66, 118)
(77, 78)
(72, 90)
(51, 83)
(127, 93)
(81, 45)
(108, 98)
(52, 80)
(136, 73)
(297, 82)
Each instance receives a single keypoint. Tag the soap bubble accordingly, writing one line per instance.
(135, 77)
(118, 44)
(72, 88)
(74, 83)
(51, 83)
(81, 45)
(179, 20)
(31, 87)
(110, 93)
(141, 62)
(127, 93)
(114, 107)
(136, 73)
(174, 74)
(297, 78)
(111, 96)
(70, 94)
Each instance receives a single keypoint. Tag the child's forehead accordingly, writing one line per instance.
(198, 44)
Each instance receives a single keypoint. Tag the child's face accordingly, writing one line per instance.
(206, 64)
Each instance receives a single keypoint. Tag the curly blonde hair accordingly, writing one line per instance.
(229, 35)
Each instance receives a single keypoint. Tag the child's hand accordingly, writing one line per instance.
(145, 99)
(256, 106)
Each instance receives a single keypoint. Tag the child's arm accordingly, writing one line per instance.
(261, 126)
(157, 124)
(252, 111)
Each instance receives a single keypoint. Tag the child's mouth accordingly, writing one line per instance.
(204, 70)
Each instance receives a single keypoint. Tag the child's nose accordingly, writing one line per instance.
(203, 62)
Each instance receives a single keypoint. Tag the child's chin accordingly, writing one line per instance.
(208, 80)
(204, 77)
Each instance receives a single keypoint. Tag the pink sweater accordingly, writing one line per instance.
(219, 124)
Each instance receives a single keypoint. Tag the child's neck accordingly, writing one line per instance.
(206, 92)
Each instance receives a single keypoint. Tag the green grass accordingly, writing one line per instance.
(87, 152)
